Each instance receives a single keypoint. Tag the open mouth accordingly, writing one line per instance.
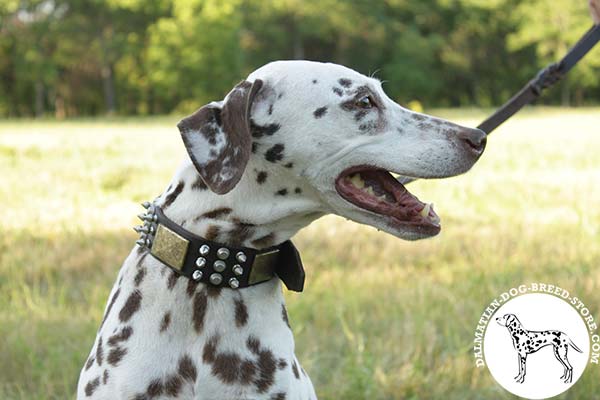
(376, 190)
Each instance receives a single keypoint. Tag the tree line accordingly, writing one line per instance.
(68, 58)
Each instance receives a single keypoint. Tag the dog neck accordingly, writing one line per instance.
(515, 328)
(252, 215)
(255, 214)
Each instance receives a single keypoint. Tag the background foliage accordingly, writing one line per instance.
(87, 57)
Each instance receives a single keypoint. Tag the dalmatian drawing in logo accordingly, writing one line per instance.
(528, 342)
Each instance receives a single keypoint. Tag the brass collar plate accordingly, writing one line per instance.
(169, 247)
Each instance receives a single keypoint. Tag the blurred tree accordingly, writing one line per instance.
(72, 57)
(62, 51)
(194, 55)
(29, 69)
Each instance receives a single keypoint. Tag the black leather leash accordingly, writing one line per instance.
(543, 80)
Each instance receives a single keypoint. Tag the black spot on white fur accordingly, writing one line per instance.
(319, 112)
(259, 131)
(217, 213)
(338, 91)
(368, 126)
(165, 322)
(120, 337)
(241, 313)
(360, 114)
(92, 386)
(131, 306)
(275, 153)
(295, 369)
(233, 368)
(199, 184)
(261, 177)
(345, 82)
(173, 195)
(116, 355)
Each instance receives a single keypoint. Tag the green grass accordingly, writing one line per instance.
(379, 319)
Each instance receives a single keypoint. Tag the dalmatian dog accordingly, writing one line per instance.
(528, 342)
(294, 141)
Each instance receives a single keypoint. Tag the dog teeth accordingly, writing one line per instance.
(425, 211)
(357, 181)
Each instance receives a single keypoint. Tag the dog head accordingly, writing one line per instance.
(507, 320)
(334, 133)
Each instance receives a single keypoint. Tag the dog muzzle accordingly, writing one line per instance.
(217, 264)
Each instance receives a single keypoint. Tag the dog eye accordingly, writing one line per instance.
(365, 102)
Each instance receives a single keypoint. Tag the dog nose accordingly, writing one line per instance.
(475, 139)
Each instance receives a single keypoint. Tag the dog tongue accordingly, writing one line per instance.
(378, 191)
(390, 185)
(408, 205)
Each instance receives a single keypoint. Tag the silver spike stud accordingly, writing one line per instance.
(146, 204)
(140, 242)
(241, 257)
(138, 229)
(197, 275)
(216, 279)
(219, 266)
(204, 249)
(237, 269)
(234, 283)
(200, 262)
(150, 217)
(142, 217)
(223, 253)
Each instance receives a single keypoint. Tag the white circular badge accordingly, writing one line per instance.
(536, 346)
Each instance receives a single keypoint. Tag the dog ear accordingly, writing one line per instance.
(217, 137)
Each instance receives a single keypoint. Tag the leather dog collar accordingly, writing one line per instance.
(217, 264)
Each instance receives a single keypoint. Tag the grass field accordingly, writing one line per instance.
(379, 318)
